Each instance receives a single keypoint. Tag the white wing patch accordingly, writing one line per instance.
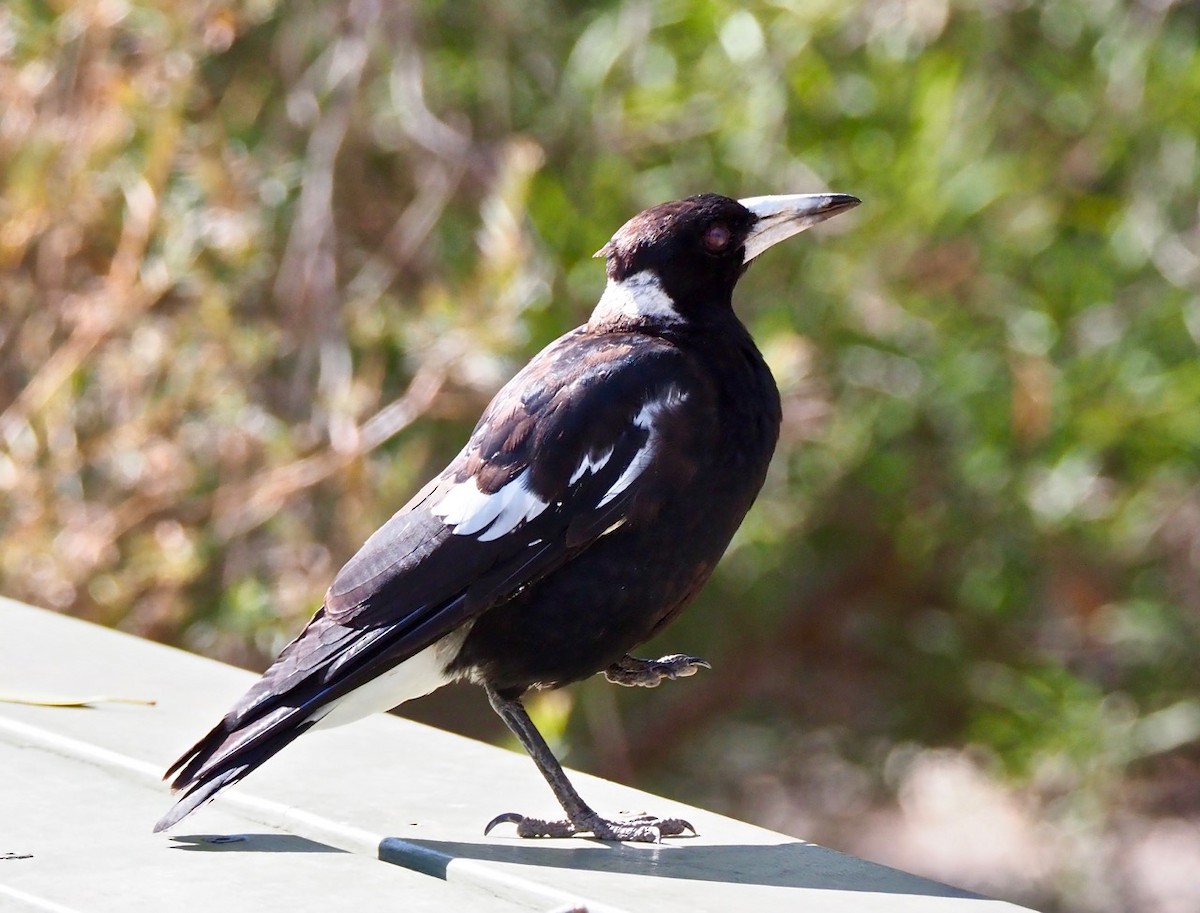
(646, 418)
(640, 296)
(472, 511)
(590, 465)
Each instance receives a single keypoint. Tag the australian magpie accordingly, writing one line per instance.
(590, 505)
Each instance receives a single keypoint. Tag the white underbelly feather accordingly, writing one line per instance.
(418, 675)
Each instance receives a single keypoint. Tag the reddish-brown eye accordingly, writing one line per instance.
(716, 238)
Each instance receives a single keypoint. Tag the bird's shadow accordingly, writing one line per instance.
(249, 843)
(793, 864)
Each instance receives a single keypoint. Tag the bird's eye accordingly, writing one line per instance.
(716, 238)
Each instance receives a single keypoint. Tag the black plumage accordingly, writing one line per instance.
(591, 503)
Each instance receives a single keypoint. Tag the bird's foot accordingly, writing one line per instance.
(635, 829)
(648, 673)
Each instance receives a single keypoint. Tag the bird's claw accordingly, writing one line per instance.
(638, 829)
(506, 818)
(532, 827)
(649, 673)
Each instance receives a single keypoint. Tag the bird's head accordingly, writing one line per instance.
(680, 260)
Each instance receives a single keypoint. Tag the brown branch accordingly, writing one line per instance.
(119, 299)
(124, 294)
(241, 506)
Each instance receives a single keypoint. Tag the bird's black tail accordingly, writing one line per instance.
(324, 663)
(199, 793)
(277, 709)
(221, 758)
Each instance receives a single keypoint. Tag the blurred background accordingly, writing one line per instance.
(263, 263)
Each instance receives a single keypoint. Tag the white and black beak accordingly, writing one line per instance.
(781, 216)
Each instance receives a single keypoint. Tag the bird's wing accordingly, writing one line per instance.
(562, 455)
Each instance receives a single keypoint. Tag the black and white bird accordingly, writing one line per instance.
(590, 505)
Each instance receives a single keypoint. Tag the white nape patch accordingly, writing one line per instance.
(416, 676)
(640, 296)
(470, 510)
(646, 418)
(590, 465)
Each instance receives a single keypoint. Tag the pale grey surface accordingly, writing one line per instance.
(84, 831)
(383, 787)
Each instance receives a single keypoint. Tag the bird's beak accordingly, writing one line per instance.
(782, 216)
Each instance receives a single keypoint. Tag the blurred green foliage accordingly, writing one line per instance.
(261, 265)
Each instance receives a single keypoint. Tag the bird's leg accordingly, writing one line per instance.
(581, 819)
(648, 673)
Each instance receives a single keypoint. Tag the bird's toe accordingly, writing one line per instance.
(634, 829)
(680, 665)
(650, 673)
(532, 827)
